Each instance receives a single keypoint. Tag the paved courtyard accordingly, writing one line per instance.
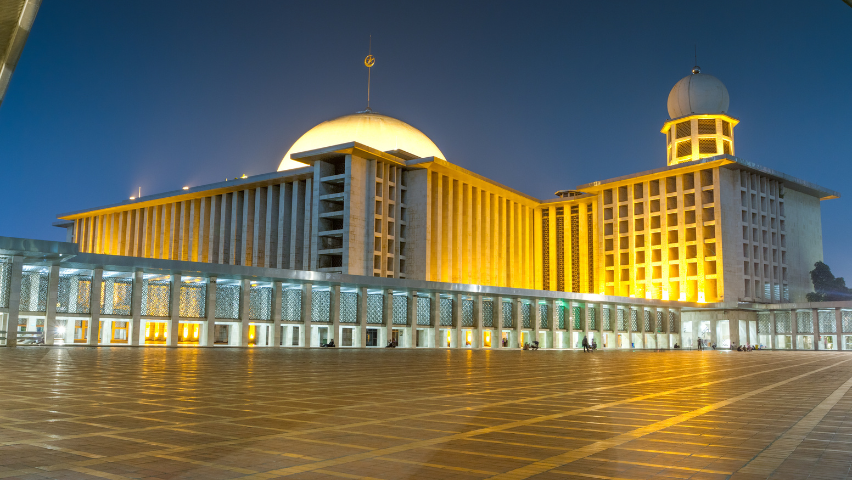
(326, 414)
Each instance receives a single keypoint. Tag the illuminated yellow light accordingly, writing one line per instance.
(186, 188)
(244, 176)
(185, 331)
(133, 198)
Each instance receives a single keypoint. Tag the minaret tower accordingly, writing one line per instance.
(699, 125)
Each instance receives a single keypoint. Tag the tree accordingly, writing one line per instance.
(827, 287)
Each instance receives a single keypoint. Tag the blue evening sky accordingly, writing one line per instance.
(111, 96)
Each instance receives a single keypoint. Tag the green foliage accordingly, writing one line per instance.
(827, 287)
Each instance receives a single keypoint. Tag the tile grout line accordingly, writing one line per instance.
(774, 455)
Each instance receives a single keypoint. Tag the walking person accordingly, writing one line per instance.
(585, 344)
(700, 344)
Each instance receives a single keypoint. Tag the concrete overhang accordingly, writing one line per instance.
(37, 250)
(722, 161)
(350, 148)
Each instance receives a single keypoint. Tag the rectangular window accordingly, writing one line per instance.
(683, 129)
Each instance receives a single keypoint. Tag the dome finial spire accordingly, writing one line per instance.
(696, 68)
(369, 62)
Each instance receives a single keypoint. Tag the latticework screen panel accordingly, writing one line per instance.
(706, 126)
(660, 327)
(374, 308)
(543, 319)
(560, 253)
(575, 252)
(827, 322)
(577, 316)
(446, 312)
(260, 302)
(400, 310)
(634, 320)
(116, 294)
(291, 305)
(193, 300)
(349, 307)
(763, 325)
(622, 319)
(74, 294)
(648, 326)
(34, 291)
(545, 250)
(592, 318)
(707, 145)
(467, 313)
(783, 323)
(590, 238)
(673, 323)
(560, 316)
(320, 306)
(487, 313)
(424, 311)
(607, 319)
(846, 320)
(156, 297)
(804, 323)
(507, 314)
(228, 301)
(525, 315)
(5, 280)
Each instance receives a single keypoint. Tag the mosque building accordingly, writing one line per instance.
(366, 234)
(367, 194)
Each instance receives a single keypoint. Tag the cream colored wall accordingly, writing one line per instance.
(468, 230)
(803, 241)
(263, 226)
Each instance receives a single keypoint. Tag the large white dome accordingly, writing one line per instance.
(371, 129)
(698, 94)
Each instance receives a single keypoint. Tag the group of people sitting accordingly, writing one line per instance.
(587, 347)
(702, 344)
(745, 348)
(531, 346)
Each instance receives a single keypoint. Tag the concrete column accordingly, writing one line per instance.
(307, 311)
(536, 320)
(838, 321)
(713, 332)
(135, 333)
(772, 329)
(362, 316)
(497, 322)
(554, 319)
(599, 322)
(14, 301)
(435, 313)
(628, 314)
(817, 333)
(387, 314)
(334, 313)
(569, 321)
(95, 307)
(584, 311)
(518, 322)
(477, 322)
(794, 329)
(640, 326)
(52, 295)
(174, 311)
(457, 320)
(411, 313)
(210, 313)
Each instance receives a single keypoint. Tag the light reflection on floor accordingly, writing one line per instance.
(77, 412)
